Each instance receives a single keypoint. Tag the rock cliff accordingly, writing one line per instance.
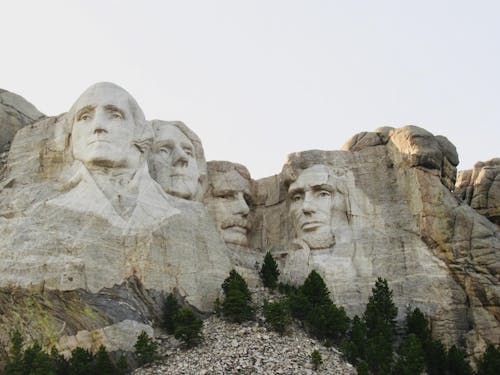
(91, 241)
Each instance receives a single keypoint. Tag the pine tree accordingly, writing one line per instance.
(188, 327)
(381, 311)
(145, 349)
(379, 354)
(435, 357)
(103, 364)
(269, 272)
(316, 359)
(36, 361)
(411, 357)
(170, 309)
(327, 321)
(354, 347)
(457, 363)
(14, 364)
(363, 368)
(315, 289)
(236, 306)
(417, 324)
(277, 315)
(122, 365)
(490, 361)
(59, 363)
(81, 362)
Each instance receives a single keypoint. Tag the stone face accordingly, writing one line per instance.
(96, 241)
(80, 211)
(480, 188)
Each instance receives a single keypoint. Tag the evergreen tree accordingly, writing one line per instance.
(298, 304)
(269, 272)
(411, 357)
(381, 312)
(379, 354)
(457, 363)
(188, 327)
(103, 364)
(315, 289)
(327, 321)
(277, 315)
(435, 357)
(122, 365)
(363, 368)
(81, 362)
(490, 362)
(14, 364)
(354, 347)
(36, 361)
(235, 281)
(145, 349)
(380, 319)
(170, 309)
(417, 324)
(236, 306)
(59, 363)
(316, 359)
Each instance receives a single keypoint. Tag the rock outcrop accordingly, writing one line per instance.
(91, 241)
(480, 188)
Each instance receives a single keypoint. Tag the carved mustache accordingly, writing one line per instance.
(236, 222)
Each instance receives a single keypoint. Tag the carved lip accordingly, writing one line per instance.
(311, 225)
(98, 141)
(237, 228)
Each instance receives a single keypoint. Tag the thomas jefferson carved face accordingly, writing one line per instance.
(104, 127)
(311, 203)
(174, 162)
(228, 203)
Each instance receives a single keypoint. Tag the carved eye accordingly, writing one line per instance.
(296, 197)
(116, 116)
(165, 150)
(226, 196)
(84, 117)
(324, 194)
(188, 151)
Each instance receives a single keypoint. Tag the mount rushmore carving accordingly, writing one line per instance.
(99, 204)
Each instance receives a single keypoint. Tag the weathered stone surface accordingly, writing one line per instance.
(85, 225)
(480, 188)
(391, 215)
(15, 113)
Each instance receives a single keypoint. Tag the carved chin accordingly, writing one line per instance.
(235, 236)
(319, 240)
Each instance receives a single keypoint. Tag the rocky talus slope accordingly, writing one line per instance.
(248, 348)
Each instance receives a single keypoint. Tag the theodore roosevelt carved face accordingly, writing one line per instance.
(228, 200)
(173, 160)
(311, 204)
(105, 124)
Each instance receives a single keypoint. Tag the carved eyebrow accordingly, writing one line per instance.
(326, 187)
(86, 109)
(296, 191)
(114, 108)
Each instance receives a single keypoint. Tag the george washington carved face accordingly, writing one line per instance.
(104, 127)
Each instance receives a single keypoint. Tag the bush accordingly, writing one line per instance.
(170, 308)
(145, 349)
(188, 327)
(316, 359)
(490, 361)
(363, 368)
(36, 361)
(236, 306)
(122, 365)
(269, 272)
(277, 315)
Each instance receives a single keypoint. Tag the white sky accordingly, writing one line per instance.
(259, 79)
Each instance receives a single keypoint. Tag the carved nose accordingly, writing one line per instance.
(99, 130)
(242, 206)
(307, 206)
(180, 158)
